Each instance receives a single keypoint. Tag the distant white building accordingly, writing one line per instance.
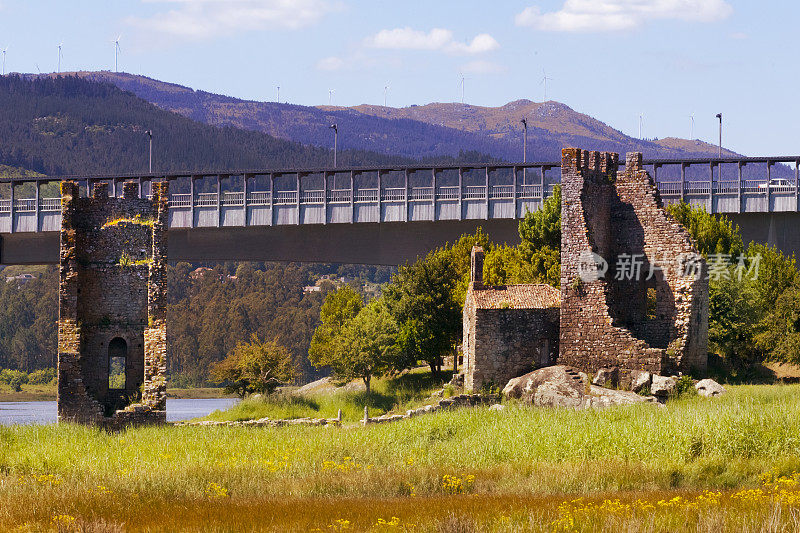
(22, 279)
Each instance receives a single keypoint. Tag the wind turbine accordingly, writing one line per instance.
(117, 51)
(641, 120)
(691, 136)
(544, 81)
(462, 85)
(60, 55)
(330, 96)
(4, 60)
(385, 91)
(278, 95)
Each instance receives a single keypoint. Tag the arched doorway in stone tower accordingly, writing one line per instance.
(117, 363)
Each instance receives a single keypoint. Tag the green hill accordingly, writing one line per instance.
(68, 125)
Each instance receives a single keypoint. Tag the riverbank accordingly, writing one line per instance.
(29, 393)
(46, 393)
(722, 464)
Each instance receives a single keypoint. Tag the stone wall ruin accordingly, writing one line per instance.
(634, 290)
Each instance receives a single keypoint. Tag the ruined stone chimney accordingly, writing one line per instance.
(476, 268)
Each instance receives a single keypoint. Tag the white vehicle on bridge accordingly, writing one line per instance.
(776, 183)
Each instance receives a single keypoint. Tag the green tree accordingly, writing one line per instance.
(13, 378)
(537, 259)
(775, 273)
(542, 227)
(752, 294)
(712, 234)
(340, 307)
(422, 297)
(255, 366)
(502, 265)
(367, 346)
(780, 328)
(733, 319)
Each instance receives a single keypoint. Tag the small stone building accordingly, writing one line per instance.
(508, 329)
(112, 307)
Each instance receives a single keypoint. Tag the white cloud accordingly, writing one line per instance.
(482, 67)
(438, 39)
(199, 19)
(616, 15)
(330, 64)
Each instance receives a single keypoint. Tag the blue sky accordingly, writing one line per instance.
(614, 60)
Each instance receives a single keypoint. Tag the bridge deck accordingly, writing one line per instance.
(404, 194)
(374, 195)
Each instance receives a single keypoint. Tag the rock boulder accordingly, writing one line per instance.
(640, 379)
(602, 397)
(709, 387)
(663, 386)
(513, 388)
(552, 386)
(607, 377)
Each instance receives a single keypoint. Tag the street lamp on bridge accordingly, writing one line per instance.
(335, 129)
(719, 152)
(524, 122)
(150, 158)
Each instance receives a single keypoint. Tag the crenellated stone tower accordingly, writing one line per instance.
(112, 307)
(634, 290)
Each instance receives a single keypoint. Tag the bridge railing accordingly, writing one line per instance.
(402, 194)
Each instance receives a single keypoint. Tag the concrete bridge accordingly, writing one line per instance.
(386, 215)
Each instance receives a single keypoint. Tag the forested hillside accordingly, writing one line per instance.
(209, 314)
(68, 125)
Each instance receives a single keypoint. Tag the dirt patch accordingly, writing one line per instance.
(785, 372)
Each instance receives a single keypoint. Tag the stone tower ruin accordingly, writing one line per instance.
(634, 290)
(112, 316)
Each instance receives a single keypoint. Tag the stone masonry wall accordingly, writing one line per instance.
(112, 288)
(501, 344)
(655, 319)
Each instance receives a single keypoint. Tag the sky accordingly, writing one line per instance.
(616, 60)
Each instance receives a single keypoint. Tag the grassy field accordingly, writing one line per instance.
(727, 464)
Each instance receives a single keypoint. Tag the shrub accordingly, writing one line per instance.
(255, 366)
(42, 377)
(14, 379)
(685, 387)
(9, 376)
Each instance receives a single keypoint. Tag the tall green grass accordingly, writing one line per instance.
(691, 444)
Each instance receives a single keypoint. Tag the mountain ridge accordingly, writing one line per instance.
(430, 130)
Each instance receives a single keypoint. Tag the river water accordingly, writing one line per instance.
(45, 412)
